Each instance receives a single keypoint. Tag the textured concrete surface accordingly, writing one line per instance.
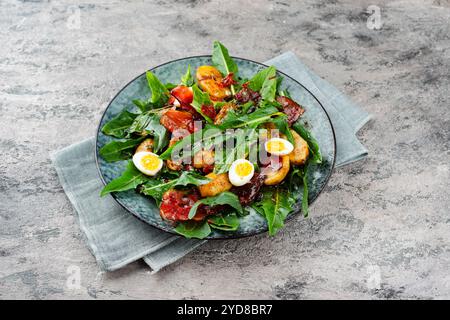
(380, 229)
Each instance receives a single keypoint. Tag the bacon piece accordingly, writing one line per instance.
(176, 204)
(228, 80)
(246, 94)
(249, 192)
(291, 108)
(209, 110)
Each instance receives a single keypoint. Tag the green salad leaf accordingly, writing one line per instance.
(269, 86)
(245, 139)
(118, 126)
(149, 123)
(256, 83)
(156, 187)
(160, 94)
(119, 149)
(169, 86)
(142, 105)
(201, 99)
(206, 137)
(223, 62)
(300, 186)
(231, 121)
(282, 125)
(226, 197)
(313, 145)
(234, 120)
(187, 78)
(129, 179)
(246, 107)
(275, 206)
(227, 222)
(193, 229)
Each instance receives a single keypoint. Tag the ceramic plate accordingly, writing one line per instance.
(315, 118)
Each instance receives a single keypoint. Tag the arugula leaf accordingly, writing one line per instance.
(229, 222)
(246, 107)
(156, 188)
(129, 179)
(275, 206)
(160, 94)
(226, 197)
(251, 120)
(201, 138)
(305, 203)
(269, 86)
(169, 86)
(117, 127)
(285, 93)
(282, 125)
(143, 105)
(149, 122)
(279, 82)
(222, 61)
(313, 145)
(200, 99)
(119, 149)
(193, 229)
(245, 140)
(231, 121)
(296, 188)
(258, 79)
(187, 78)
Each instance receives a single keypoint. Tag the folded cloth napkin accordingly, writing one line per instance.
(116, 238)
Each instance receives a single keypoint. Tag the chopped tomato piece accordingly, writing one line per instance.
(174, 120)
(182, 94)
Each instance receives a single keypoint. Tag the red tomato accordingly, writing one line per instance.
(174, 120)
(182, 94)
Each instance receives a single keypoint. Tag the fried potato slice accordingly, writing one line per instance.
(301, 151)
(276, 177)
(145, 146)
(210, 80)
(219, 184)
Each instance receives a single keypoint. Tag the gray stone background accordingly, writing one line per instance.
(380, 229)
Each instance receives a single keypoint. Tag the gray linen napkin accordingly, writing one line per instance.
(116, 238)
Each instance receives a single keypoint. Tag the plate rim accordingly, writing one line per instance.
(232, 236)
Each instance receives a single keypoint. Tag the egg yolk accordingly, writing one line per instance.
(243, 169)
(150, 162)
(275, 146)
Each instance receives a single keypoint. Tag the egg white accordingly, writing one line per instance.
(288, 147)
(237, 180)
(138, 164)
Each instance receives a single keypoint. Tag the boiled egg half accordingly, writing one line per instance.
(278, 146)
(147, 162)
(241, 171)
